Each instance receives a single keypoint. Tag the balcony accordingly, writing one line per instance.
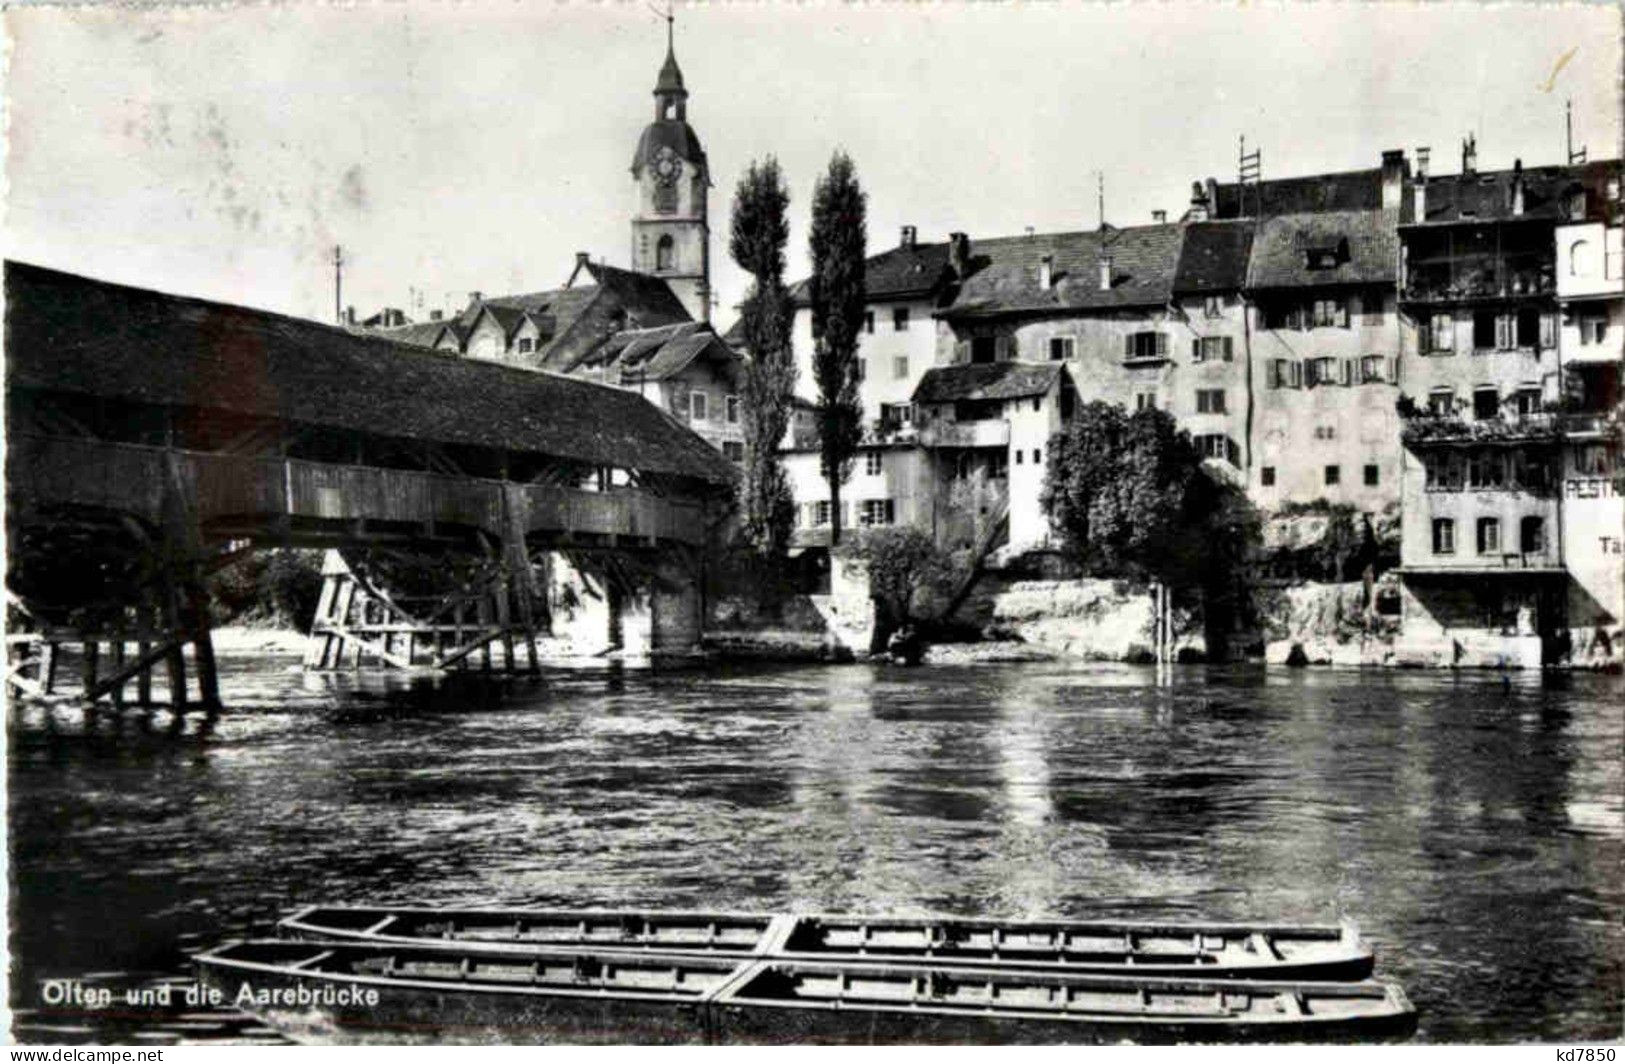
(1479, 279)
(988, 433)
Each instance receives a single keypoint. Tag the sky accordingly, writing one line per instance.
(222, 151)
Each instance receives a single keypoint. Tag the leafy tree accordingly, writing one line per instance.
(759, 234)
(838, 244)
(905, 568)
(1130, 493)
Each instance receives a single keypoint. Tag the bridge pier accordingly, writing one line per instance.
(632, 613)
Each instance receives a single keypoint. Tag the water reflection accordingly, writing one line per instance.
(1474, 830)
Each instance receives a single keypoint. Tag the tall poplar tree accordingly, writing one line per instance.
(760, 231)
(838, 244)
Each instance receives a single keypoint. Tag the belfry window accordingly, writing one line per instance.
(665, 252)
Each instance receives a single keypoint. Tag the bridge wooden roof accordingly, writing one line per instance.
(70, 333)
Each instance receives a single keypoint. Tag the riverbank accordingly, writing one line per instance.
(236, 640)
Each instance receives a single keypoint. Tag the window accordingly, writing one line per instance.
(1214, 445)
(696, 406)
(1444, 471)
(1529, 328)
(860, 369)
(1285, 373)
(665, 252)
(899, 367)
(872, 463)
(899, 319)
(897, 414)
(1441, 402)
(875, 512)
(1485, 329)
(984, 349)
(1038, 456)
(1486, 469)
(1145, 345)
(526, 345)
(1489, 535)
(1593, 327)
(1212, 348)
(1019, 455)
(1444, 535)
(1527, 400)
(1372, 475)
(1372, 369)
(1145, 401)
(1592, 460)
(1325, 432)
(1266, 476)
(1210, 400)
(1531, 535)
(1213, 307)
(1062, 347)
(731, 406)
(1331, 313)
(868, 321)
(1320, 371)
(1441, 333)
(1279, 316)
(1334, 476)
(1486, 404)
(819, 513)
(733, 450)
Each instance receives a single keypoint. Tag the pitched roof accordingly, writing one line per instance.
(1487, 195)
(1365, 245)
(902, 272)
(671, 75)
(1350, 190)
(656, 354)
(1214, 257)
(420, 334)
(73, 334)
(1004, 275)
(649, 300)
(673, 133)
(986, 380)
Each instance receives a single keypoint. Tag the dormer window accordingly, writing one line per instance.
(1325, 255)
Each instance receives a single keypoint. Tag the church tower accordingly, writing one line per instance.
(671, 234)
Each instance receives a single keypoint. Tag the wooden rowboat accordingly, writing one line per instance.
(1312, 952)
(380, 991)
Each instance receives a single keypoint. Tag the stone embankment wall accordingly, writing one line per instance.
(1091, 620)
(779, 624)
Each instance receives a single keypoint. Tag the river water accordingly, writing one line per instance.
(1470, 825)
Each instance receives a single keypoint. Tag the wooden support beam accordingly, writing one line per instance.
(357, 643)
(134, 668)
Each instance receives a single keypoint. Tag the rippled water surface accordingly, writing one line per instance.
(1471, 828)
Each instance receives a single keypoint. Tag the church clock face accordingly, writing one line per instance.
(667, 166)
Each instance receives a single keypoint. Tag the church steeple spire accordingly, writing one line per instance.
(670, 95)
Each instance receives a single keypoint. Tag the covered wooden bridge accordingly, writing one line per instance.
(152, 438)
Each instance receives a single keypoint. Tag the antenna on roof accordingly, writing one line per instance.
(1100, 204)
(338, 284)
(1575, 157)
(1249, 171)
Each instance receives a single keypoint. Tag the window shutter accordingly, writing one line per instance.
(1128, 346)
(1273, 374)
(1444, 328)
(1162, 345)
(1229, 349)
(1393, 371)
(1424, 337)
(962, 351)
(1296, 374)
(1348, 372)
(1503, 332)
(1548, 329)
(1196, 350)
(1001, 349)
(1342, 314)
(1232, 452)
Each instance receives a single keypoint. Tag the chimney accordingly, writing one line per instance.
(1517, 187)
(1200, 205)
(1419, 210)
(1159, 217)
(434, 315)
(349, 315)
(1422, 154)
(1105, 274)
(1394, 172)
(908, 237)
(474, 298)
(1469, 154)
(1046, 272)
(959, 254)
